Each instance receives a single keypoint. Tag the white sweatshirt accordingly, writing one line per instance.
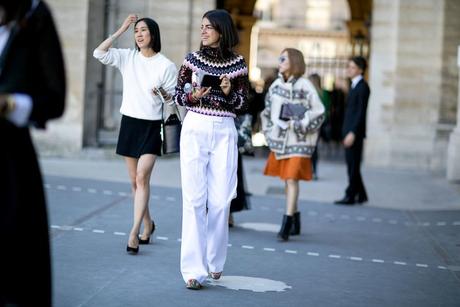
(140, 75)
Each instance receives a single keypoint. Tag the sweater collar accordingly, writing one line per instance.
(290, 80)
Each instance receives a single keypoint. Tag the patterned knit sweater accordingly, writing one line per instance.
(216, 103)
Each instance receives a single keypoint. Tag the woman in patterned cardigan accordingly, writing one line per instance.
(291, 141)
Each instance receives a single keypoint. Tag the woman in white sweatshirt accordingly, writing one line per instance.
(146, 74)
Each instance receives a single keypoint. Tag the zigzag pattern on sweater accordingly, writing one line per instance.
(233, 67)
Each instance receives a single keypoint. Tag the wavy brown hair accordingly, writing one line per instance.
(296, 61)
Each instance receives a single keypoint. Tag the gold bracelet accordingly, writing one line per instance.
(10, 104)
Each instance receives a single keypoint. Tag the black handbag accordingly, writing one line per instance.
(292, 111)
(170, 132)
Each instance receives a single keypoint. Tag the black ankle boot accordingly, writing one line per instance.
(295, 229)
(285, 228)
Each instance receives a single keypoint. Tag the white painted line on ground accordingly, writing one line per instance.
(76, 189)
(280, 210)
(334, 256)
(107, 192)
(344, 216)
(393, 222)
(400, 263)
(360, 218)
(426, 224)
(376, 220)
(329, 216)
(154, 197)
(169, 198)
(122, 194)
(47, 186)
(179, 240)
(456, 223)
(408, 223)
(441, 224)
(92, 191)
(61, 187)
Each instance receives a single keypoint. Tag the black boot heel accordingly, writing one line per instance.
(285, 228)
(295, 229)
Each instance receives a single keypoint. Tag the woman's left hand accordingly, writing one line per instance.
(225, 85)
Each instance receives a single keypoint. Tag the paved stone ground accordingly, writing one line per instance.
(372, 255)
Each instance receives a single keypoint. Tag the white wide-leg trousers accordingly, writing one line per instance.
(208, 158)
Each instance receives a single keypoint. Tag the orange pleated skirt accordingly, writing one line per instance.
(298, 168)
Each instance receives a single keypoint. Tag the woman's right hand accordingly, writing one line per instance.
(132, 18)
(200, 93)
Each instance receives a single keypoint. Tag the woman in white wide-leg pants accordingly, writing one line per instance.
(208, 166)
(213, 85)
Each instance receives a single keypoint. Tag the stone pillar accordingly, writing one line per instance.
(64, 136)
(453, 152)
(405, 79)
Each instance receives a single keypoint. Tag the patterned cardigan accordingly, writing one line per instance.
(294, 138)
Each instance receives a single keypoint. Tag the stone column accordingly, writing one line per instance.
(453, 151)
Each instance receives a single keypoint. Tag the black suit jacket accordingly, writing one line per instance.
(31, 63)
(355, 112)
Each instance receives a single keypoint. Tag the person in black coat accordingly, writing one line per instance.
(32, 91)
(354, 131)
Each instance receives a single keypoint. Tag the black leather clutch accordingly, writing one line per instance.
(292, 111)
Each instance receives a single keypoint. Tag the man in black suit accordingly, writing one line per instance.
(354, 131)
(32, 91)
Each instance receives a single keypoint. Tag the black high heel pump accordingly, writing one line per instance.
(147, 241)
(132, 250)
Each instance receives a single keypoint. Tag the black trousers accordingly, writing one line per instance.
(353, 157)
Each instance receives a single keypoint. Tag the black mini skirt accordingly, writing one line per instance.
(138, 137)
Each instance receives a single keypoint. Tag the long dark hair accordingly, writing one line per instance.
(14, 10)
(154, 29)
(222, 22)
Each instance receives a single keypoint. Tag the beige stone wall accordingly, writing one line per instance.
(64, 135)
(407, 78)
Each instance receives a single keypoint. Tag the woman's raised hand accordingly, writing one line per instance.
(132, 18)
